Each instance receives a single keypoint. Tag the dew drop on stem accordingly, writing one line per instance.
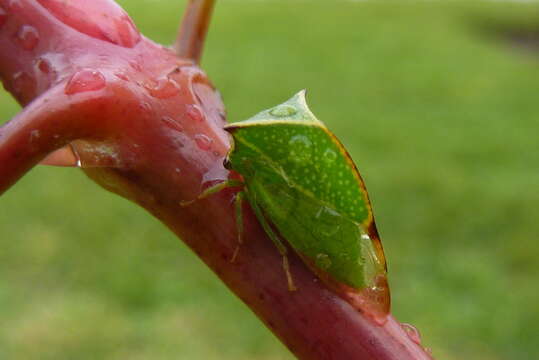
(203, 142)
(85, 80)
(28, 37)
(412, 332)
(194, 112)
(163, 88)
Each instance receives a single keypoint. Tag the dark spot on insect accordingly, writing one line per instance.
(261, 296)
(271, 324)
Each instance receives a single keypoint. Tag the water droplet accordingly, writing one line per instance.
(173, 124)
(283, 111)
(330, 156)
(195, 112)
(144, 106)
(412, 332)
(135, 65)
(177, 170)
(3, 17)
(28, 37)
(24, 86)
(327, 223)
(92, 154)
(44, 66)
(121, 75)
(203, 142)
(163, 88)
(300, 149)
(85, 80)
(34, 135)
(323, 261)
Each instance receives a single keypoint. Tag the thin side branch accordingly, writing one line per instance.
(193, 29)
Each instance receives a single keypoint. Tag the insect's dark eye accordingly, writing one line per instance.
(226, 163)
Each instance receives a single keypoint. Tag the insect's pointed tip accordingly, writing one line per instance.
(300, 97)
(231, 128)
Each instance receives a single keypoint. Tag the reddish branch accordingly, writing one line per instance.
(147, 124)
(190, 41)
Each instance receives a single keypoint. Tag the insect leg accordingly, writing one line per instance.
(238, 205)
(213, 190)
(280, 246)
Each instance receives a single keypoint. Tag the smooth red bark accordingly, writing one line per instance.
(147, 124)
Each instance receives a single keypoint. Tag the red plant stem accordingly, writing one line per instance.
(147, 125)
(193, 30)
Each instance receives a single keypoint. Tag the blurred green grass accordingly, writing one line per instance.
(442, 120)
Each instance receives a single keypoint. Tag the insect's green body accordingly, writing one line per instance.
(300, 179)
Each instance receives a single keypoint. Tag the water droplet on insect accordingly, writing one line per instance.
(163, 88)
(195, 112)
(327, 223)
(373, 261)
(300, 149)
(28, 37)
(171, 123)
(85, 80)
(330, 156)
(3, 17)
(203, 142)
(323, 261)
(283, 111)
(412, 332)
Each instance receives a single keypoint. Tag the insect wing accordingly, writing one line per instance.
(329, 242)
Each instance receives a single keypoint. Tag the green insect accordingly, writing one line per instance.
(306, 191)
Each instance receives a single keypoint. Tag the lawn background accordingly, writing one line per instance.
(437, 103)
